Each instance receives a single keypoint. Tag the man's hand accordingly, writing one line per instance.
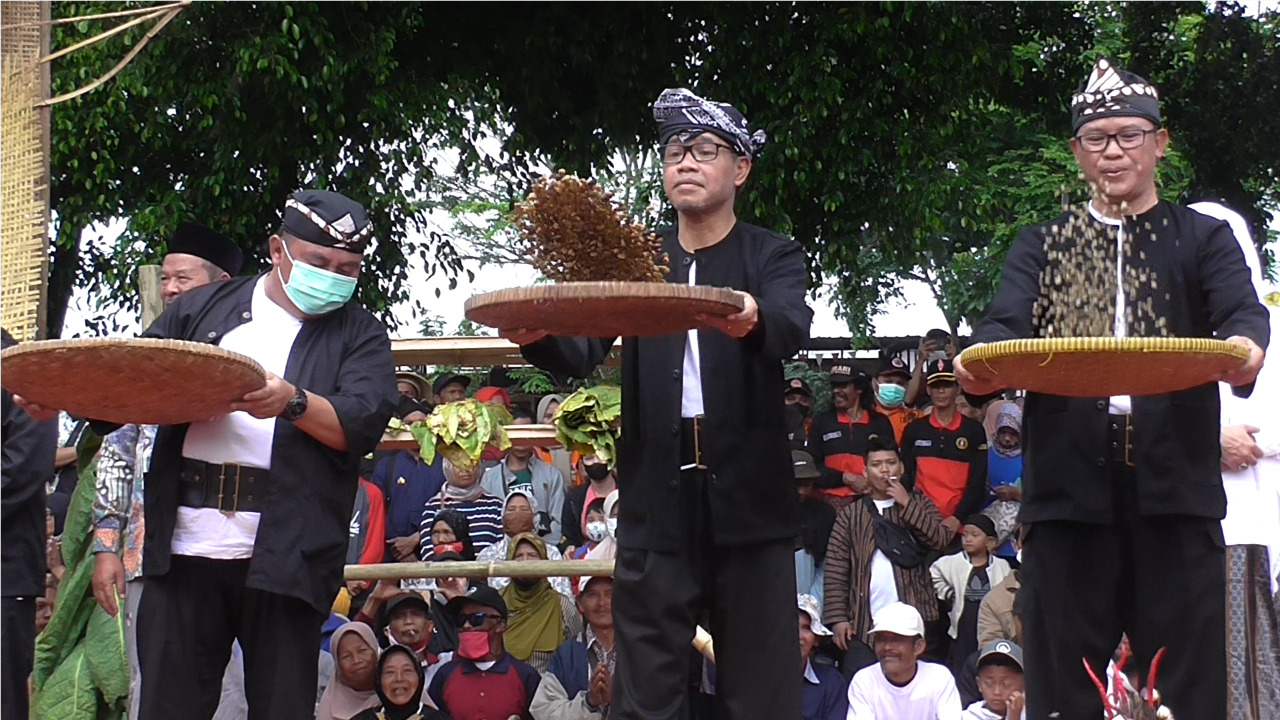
(600, 690)
(856, 483)
(1239, 450)
(972, 384)
(355, 587)
(523, 336)
(952, 524)
(269, 401)
(451, 588)
(383, 591)
(1009, 492)
(1247, 372)
(406, 548)
(39, 413)
(842, 633)
(898, 493)
(737, 325)
(53, 557)
(108, 581)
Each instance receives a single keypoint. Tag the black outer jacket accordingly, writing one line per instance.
(344, 356)
(1208, 293)
(29, 451)
(752, 488)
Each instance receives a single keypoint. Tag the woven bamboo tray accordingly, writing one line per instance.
(1103, 366)
(130, 380)
(602, 309)
(520, 436)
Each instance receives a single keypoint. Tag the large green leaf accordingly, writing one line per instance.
(105, 650)
(69, 693)
(66, 626)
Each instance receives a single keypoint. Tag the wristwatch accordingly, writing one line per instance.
(296, 407)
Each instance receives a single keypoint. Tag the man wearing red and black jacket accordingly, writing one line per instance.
(838, 437)
(946, 452)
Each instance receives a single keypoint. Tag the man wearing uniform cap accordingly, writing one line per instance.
(247, 513)
(710, 518)
(838, 437)
(890, 386)
(799, 401)
(1122, 496)
(946, 452)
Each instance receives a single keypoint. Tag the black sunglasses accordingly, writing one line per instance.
(476, 620)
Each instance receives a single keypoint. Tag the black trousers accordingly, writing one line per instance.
(1160, 580)
(750, 592)
(17, 654)
(186, 624)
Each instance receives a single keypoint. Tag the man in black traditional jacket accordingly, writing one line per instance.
(247, 513)
(29, 448)
(709, 512)
(1122, 496)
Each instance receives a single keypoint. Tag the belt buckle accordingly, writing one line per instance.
(222, 480)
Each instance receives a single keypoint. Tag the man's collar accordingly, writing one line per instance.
(501, 665)
(810, 676)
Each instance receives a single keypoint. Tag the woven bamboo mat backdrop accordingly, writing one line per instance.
(24, 178)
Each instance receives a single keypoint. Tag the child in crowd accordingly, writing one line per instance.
(594, 529)
(965, 578)
(1000, 680)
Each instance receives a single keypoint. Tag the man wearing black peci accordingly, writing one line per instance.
(710, 514)
(247, 513)
(1122, 496)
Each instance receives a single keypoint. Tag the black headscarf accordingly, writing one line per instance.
(415, 707)
(461, 526)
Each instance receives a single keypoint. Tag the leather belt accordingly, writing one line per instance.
(691, 443)
(228, 487)
(1120, 438)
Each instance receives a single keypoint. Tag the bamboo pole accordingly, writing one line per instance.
(479, 569)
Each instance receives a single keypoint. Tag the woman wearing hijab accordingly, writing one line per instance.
(519, 511)
(355, 658)
(400, 685)
(1004, 473)
(451, 532)
(540, 618)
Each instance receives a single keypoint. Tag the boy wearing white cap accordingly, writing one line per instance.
(901, 686)
(823, 685)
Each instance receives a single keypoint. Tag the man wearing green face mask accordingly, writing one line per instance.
(890, 385)
(247, 513)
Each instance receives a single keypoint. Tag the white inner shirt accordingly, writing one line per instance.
(238, 437)
(1120, 404)
(884, 589)
(691, 389)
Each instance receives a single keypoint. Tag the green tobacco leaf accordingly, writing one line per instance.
(588, 421)
(69, 693)
(105, 651)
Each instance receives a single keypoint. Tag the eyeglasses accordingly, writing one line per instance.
(703, 152)
(1126, 139)
(476, 620)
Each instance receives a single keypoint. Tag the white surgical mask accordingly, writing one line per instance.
(597, 530)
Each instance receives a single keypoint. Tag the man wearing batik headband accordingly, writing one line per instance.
(1122, 496)
(710, 521)
(247, 513)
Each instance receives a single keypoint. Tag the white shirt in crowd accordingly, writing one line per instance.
(931, 695)
(237, 438)
(884, 589)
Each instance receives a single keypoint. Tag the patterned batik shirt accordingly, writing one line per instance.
(118, 524)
